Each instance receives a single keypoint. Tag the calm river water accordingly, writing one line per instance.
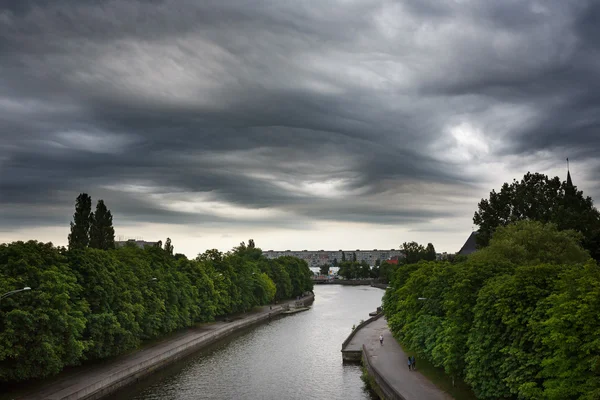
(295, 357)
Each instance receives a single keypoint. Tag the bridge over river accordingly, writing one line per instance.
(295, 357)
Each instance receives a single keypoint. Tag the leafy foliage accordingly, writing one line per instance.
(102, 233)
(90, 303)
(539, 198)
(79, 237)
(518, 319)
(41, 331)
(355, 270)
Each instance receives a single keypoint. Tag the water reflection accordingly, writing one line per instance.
(296, 357)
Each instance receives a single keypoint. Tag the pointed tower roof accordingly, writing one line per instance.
(569, 181)
(470, 245)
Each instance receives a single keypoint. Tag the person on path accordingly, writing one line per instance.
(414, 363)
(409, 363)
(381, 339)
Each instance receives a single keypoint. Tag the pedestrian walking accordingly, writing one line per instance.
(413, 363)
(409, 363)
(381, 339)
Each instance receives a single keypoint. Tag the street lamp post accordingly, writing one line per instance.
(13, 292)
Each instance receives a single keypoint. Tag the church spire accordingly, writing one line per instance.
(569, 181)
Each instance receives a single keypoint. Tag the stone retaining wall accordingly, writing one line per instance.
(387, 389)
(380, 285)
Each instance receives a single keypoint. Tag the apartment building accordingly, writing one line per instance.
(320, 257)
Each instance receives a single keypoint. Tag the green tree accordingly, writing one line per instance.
(90, 304)
(41, 330)
(539, 198)
(510, 318)
(354, 257)
(386, 271)
(430, 254)
(79, 237)
(102, 233)
(343, 256)
(375, 271)
(324, 269)
(532, 243)
(364, 270)
(413, 251)
(571, 331)
(506, 351)
(280, 276)
(168, 247)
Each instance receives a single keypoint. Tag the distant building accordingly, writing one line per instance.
(318, 258)
(470, 245)
(139, 243)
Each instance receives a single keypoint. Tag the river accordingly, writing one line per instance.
(293, 357)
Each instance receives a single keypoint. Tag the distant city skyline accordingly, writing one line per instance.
(301, 125)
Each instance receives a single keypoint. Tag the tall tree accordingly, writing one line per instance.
(353, 257)
(102, 233)
(539, 198)
(343, 256)
(168, 246)
(79, 237)
(430, 254)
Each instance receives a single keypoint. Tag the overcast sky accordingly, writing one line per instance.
(322, 124)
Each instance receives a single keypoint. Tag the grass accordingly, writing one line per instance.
(437, 375)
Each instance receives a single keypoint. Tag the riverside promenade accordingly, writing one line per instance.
(391, 364)
(94, 382)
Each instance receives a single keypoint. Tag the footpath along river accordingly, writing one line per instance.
(295, 357)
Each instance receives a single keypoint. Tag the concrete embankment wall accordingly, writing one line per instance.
(105, 385)
(356, 354)
(385, 387)
(380, 285)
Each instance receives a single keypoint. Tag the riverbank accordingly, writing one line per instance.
(387, 365)
(98, 381)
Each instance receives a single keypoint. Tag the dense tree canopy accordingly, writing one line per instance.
(539, 198)
(515, 320)
(90, 303)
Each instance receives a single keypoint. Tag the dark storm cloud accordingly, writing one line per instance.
(252, 104)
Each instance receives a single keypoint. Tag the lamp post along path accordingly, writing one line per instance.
(5, 295)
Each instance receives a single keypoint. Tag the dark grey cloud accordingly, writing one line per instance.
(335, 111)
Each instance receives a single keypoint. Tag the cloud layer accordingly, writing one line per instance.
(270, 116)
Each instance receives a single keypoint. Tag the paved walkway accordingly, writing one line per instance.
(72, 381)
(391, 362)
(363, 336)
